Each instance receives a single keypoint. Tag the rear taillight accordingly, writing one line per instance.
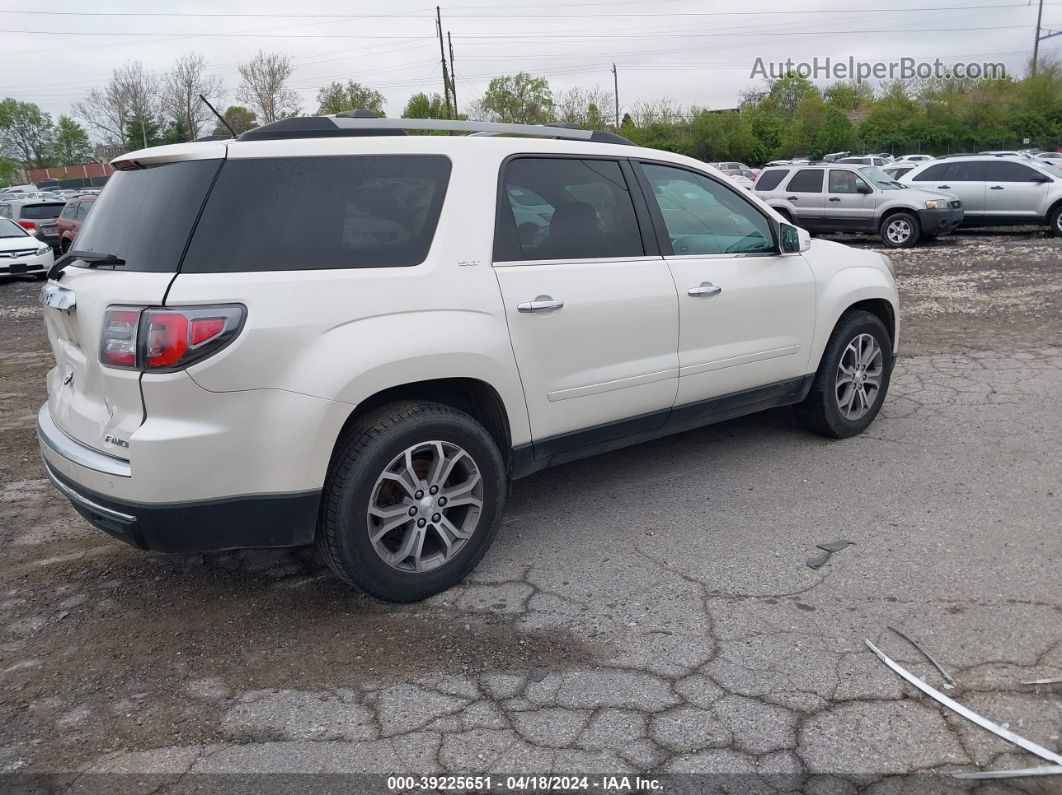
(167, 339)
(27, 224)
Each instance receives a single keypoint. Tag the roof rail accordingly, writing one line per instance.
(342, 125)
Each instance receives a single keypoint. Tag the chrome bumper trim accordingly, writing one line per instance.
(75, 452)
(85, 502)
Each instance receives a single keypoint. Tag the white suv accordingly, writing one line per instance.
(328, 331)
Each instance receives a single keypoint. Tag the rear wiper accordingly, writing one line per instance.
(90, 258)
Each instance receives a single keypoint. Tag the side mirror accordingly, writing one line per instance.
(794, 240)
(862, 187)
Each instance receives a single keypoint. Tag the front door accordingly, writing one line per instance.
(746, 311)
(850, 200)
(593, 319)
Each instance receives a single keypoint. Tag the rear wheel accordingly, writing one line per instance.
(64, 247)
(1055, 220)
(852, 379)
(412, 501)
(900, 230)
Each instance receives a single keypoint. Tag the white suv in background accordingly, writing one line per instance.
(996, 190)
(326, 331)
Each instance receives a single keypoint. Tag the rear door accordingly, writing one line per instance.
(803, 194)
(964, 178)
(1015, 191)
(593, 318)
(145, 217)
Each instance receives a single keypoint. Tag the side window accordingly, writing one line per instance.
(70, 211)
(704, 217)
(843, 181)
(807, 180)
(565, 208)
(315, 213)
(769, 180)
(82, 209)
(932, 173)
(967, 171)
(1005, 171)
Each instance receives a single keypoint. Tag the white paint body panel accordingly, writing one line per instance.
(263, 415)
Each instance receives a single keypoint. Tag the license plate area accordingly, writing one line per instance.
(18, 267)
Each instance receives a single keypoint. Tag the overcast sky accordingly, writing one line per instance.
(691, 51)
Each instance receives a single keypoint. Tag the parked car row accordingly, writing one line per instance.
(918, 200)
(51, 218)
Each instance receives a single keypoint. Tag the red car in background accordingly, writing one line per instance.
(70, 219)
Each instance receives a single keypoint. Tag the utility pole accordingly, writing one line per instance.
(442, 56)
(1036, 43)
(453, 74)
(615, 93)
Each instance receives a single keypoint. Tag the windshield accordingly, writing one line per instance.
(880, 179)
(145, 216)
(11, 229)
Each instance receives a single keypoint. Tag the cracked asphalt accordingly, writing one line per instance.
(645, 612)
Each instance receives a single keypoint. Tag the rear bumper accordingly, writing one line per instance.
(273, 520)
(940, 222)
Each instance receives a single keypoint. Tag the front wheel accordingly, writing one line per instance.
(1055, 220)
(412, 501)
(852, 379)
(900, 230)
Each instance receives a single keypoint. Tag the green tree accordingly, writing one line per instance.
(421, 106)
(71, 143)
(26, 133)
(849, 95)
(519, 99)
(337, 97)
(9, 172)
(143, 131)
(239, 118)
(176, 132)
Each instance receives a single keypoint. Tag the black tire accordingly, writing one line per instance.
(819, 412)
(1055, 220)
(913, 233)
(361, 457)
(64, 246)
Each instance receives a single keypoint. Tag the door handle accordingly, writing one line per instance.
(834, 199)
(943, 187)
(544, 303)
(791, 198)
(996, 187)
(706, 290)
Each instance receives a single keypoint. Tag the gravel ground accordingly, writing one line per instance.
(649, 611)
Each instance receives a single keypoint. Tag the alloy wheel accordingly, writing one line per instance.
(859, 375)
(899, 231)
(425, 506)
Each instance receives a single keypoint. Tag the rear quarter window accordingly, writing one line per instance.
(319, 213)
(807, 180)
(769, 180)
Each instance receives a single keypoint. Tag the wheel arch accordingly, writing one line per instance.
(863, 288)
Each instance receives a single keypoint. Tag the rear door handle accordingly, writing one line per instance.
(544, 303)
(834, 199)
(791, 198)
(996, 187)
(706, 290)
(943, 187)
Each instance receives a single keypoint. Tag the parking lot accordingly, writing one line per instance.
(650, 610)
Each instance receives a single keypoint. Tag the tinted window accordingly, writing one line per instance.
(967, 171)
(1003, 171)
(70, 210)
(38, 212)
(705, 217)
(807, 180)
(318, 213)
(769, 180)
(584, 211)
(82, 209)
(932, 173)
(144, 216)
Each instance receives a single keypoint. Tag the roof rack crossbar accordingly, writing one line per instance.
(487, 127)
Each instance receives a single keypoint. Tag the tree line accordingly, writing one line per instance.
(782, 118)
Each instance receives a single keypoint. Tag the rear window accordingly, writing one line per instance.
(769, 180)
(38, 212)
(316, 213)
(145, 216)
